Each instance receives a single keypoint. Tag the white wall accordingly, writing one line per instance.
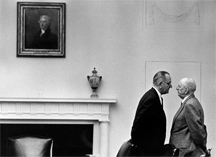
(113, 37)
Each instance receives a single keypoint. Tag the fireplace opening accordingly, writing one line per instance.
(74, 140)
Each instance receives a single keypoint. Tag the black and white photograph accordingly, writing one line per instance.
(108, 78)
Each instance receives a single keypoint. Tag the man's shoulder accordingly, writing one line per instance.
(50, 35)
(191, 100)
(150, 94)
(192, 103)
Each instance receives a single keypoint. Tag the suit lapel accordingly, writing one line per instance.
(156, 94)
(181, 108)
(178, 112)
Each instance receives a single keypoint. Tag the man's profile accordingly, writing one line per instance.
(44, 38)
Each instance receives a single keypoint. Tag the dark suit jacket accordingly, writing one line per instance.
(149, 126)
(47, 41)
(188, 131)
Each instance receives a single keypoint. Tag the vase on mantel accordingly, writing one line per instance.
(94, 81)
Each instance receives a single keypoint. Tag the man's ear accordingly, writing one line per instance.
(160, 83)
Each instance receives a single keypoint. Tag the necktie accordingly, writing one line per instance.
(161, 101)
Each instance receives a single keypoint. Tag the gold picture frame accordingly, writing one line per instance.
(30, 19)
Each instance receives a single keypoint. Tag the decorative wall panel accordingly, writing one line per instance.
(173, 15)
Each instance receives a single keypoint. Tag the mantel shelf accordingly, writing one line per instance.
(58, 100)
(55, 108)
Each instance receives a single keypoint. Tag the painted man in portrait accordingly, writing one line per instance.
(44, 38)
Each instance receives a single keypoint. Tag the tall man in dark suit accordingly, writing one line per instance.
(149, 126)
(188, 132)
(44, 38)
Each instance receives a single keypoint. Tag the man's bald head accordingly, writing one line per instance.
(186, 86)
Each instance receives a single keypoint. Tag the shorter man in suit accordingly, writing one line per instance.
(188, 132)
(149, 127)
(44, 38)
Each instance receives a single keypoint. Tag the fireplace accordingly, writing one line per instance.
(84, 120)
(70, 140)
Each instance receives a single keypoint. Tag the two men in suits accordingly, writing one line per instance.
(188, 132)
(149, 126)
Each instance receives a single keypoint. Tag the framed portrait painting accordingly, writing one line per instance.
(40, 29)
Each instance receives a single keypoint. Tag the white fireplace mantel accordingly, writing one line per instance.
(61, 109)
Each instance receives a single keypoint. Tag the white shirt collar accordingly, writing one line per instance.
(185, 99)
(42, 31)
(159, 94)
